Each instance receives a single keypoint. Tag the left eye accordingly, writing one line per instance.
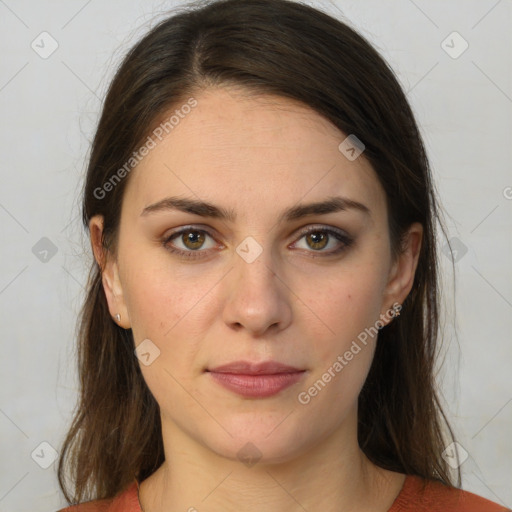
(319, 239)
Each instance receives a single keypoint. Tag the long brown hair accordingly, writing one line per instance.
(295, 51)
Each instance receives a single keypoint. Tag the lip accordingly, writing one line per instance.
(256, 380)
(248, 368)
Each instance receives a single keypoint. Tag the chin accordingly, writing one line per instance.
(256, 441)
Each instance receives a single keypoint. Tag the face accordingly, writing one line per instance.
(259, 276)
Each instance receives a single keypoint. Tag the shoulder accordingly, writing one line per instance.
(421, 495)
(126, 501)
(90, 506)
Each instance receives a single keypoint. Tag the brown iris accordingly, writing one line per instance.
(318, 239)
(193, 239)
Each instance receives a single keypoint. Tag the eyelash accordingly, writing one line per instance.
(339, 235)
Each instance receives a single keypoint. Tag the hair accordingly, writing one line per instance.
(297, 52)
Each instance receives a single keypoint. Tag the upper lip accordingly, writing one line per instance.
(248, 368)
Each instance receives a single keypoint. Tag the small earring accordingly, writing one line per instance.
(118, 317)
(396, 313)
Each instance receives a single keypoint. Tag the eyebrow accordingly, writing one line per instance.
(205, 209)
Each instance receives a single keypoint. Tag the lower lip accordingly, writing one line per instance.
(256, 386)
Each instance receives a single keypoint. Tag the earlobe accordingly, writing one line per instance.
(401, 278)
(109, 274)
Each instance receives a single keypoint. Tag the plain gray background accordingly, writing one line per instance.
(49, 108)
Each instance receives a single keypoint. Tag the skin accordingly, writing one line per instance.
(257, 155)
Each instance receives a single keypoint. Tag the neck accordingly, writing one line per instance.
(334, 475)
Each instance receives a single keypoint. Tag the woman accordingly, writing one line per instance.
(261, 319)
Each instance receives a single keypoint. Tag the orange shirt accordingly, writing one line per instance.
(436, 498)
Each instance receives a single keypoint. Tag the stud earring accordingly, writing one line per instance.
(118, 317)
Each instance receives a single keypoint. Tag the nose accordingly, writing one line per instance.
(257, 298)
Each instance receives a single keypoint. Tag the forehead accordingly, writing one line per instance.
(243, 151)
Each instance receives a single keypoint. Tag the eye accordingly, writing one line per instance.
(188, 242)
(320, 238)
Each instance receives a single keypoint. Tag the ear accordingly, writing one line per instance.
(402, 272)
(109, 274)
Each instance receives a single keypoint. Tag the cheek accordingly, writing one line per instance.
(175, 308)
(171, 311)
(160, 298)
(347, 303)
(349, 306)
(342, 359)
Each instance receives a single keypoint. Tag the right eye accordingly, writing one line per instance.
(188, 242)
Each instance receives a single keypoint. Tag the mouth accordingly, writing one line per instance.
(256, 380)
